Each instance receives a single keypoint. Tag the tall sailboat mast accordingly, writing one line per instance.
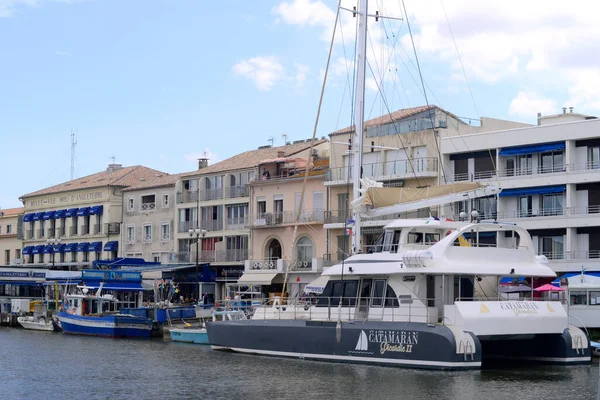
(359, 113)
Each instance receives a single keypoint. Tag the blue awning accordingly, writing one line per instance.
(27, 250)
(530, 149)
(37, 216)
(60, 214)
(48, 215)
(82, 247)
(111, 246)
(71, 212)
(38, 249)
(511, 279)
(70, 247)
(572, 274)
(48, 249)
(97, 210)
(533, 190)
(28, 217)
(83, 211)
(115, 286)
(95, 246)
(21, 283)
(60, 248)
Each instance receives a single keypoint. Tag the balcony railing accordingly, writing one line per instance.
(237, 223)
(236, 191)
(211, 194)
(286, 217)
(96, 229)
(387, 170)
(61, 231)
(185, 226)
(50, 233)
(212, 225)
(341, 216)
(40, 233)
(148, 206)
(187, 196)
(231, 255)
(85, 230)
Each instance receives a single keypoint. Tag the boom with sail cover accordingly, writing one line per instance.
(376, 200)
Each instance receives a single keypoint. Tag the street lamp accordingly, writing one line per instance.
(53, 242)
(197, 233)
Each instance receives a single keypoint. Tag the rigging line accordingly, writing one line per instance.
(312, 144)
(435, 138)
(396, 129)
(56, 166)
(348, 84)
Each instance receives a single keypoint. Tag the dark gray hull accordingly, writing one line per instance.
(401, 344)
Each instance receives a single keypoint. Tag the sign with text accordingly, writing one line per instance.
(66, 199)
(111, 276)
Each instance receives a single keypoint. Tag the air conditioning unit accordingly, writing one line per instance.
(113, 228)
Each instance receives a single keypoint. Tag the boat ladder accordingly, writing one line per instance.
(579, 344)
(466, 347)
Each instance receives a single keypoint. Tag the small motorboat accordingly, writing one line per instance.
(38, 321)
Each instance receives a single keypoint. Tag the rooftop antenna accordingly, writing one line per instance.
(73, 144)
(284, 136)
(113, 159)
(271, 139)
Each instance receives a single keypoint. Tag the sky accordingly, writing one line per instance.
(161, 83)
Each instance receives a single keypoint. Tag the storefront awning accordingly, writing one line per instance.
(70, 247)
(116, 286)
(38, 249)
(82, 247)
(96, 210)
(27, 250)
(111, 246)
(95, 246)
(28, 217)
(530, 149)
(48, 249)
(533, 190)
(48, 215)
(60, 214)
(38, 216)
(317, 286)
(258, 278)
(71, 212)
(83, 211)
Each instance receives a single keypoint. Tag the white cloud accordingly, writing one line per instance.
(301, 72)
(263, 71)
(305, 12)
(526, 104)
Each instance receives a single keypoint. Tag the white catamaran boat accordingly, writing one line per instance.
(425, 296)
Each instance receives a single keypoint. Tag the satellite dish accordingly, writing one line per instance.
(85, 290)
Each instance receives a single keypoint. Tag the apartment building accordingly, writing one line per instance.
(399, 149)
(76, 222)
(10, 235)
(278, 244)
(148, 220)
(550, 180)
(213, 202)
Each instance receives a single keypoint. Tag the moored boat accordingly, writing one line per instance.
(98, 315)
(39, 320)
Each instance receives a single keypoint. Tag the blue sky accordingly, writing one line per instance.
(159, 82)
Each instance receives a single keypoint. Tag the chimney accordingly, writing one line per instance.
(280, 154)
(571, 110)
(564, 110)
(538, 118)
(202, 163)
(114, 167)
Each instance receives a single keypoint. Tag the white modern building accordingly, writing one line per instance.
(550, 180)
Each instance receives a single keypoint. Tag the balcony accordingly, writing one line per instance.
(187, 196)
(341, 216)
(263, 220)
(231, 255)
(151, 206)
(211, 194)
(185, 226)
(212, 225)
(279, 265)
(233, 192)
(400, 169)
(551, 212)
(237, 223)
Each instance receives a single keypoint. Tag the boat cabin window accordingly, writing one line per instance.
(377, 247)
(417, 238)
(391, 300)
(336, 289)
(378, 292)
(578, 298)
(391, 240)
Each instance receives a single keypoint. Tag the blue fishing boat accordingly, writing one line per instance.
(189, 335)
(98, 315)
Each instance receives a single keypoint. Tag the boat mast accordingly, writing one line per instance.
(359, 113)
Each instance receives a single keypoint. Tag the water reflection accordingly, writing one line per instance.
(72, 367)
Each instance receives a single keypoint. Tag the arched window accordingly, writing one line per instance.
(304, 252)
(274, 250)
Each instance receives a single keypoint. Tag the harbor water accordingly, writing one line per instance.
(55, 365)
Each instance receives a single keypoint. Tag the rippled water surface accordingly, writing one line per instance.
(41, 365)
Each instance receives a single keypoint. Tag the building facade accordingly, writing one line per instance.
(400, 149)
(72, 224)
(11, 235)
(148, 220)
(550, 180)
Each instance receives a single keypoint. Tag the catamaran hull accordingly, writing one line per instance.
(115, 326)
(406, 344)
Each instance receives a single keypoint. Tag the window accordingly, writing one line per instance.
(525, 205)
(343, 207)
(7, 257)
(378, 293)
(461, 170)
(551, 247)
(578, 298)
(130, 204)
(18, 253)
(8, 229)
(510, 167)
(261, 207)
(551, 161)
(525, 164)
(148, 203)
(236, 215)
(147, 232)
(165, 231)
(594, 296)
(593, 157)
(551, 204)
(165, 202)
(130, 233)
(304, 252)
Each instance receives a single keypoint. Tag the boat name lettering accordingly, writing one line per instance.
(400, 348)
(520, 307)
(393, 338)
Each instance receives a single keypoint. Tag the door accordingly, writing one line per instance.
(364, 296)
